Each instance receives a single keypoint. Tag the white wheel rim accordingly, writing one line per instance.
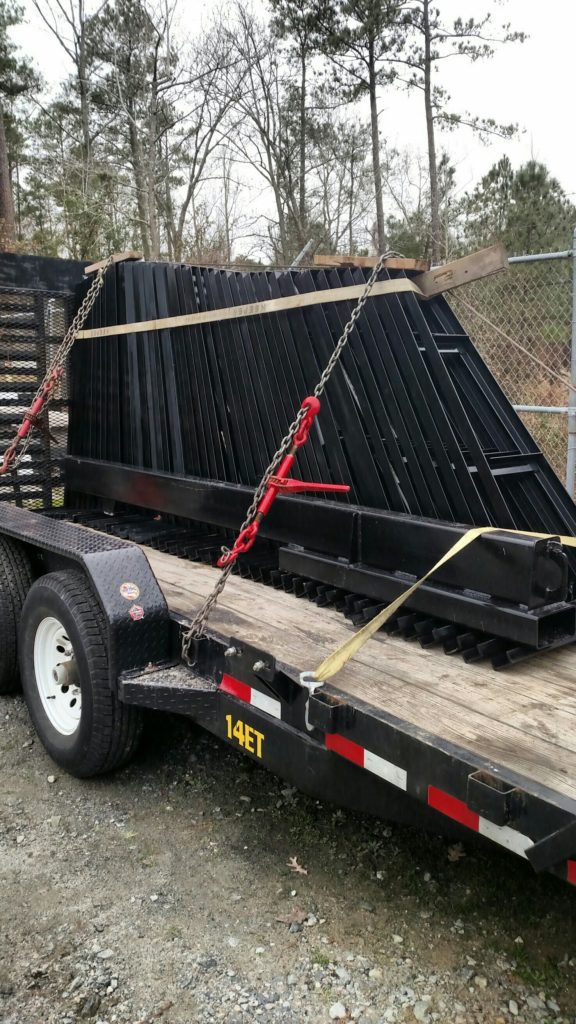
(57, 678)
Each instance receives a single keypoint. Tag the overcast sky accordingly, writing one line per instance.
(531, 83)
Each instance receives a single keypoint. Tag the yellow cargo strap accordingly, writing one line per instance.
(336, 661)
(299, 301)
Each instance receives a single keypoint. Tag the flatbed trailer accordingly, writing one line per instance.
(404, 732)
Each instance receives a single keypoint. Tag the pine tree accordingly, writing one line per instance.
(432, 41)
(16, 77)
(526, 209)
(299, 23)
(364, 39)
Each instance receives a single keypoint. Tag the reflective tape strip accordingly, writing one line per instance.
(456, 809)
(265, 703)
(251, 696)
(236, 688)
(452, 808)
(391, 773)
(385, 769)
(438, 799)
(506, 836)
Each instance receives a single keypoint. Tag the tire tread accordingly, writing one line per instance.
(15, 582)
(116, 727)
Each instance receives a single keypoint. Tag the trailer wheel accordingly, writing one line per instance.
(15, 581)
(64, 669)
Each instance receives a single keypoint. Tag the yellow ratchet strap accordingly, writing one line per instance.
(336, 661)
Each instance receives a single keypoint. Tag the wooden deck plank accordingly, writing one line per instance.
(523, 718)
(392, 263)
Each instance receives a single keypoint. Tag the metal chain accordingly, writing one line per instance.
(197, 627)
(17, 449)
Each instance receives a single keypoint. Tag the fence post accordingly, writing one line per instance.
(571, 456)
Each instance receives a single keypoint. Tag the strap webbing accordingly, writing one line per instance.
(342, 655)
(300, 301)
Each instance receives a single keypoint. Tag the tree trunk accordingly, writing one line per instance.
(285, 255)
(153, 214)
(351, 208)
(151, 160)
(84, 110)
(141, 195)
(376, 168)
(18, 211)
(7, 219)
(302, 172)
(435, 228)
(226, 189)
(169, 213)
(282, 231)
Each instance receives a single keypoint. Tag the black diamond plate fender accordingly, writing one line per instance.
(131, 599)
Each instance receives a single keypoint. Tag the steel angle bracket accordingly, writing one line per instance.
(259, 669)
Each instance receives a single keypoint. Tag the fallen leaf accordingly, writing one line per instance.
(162, 1008)
(295, 866)
(294, 916)
(456, 852)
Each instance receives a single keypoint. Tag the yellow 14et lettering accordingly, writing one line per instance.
(246, 735)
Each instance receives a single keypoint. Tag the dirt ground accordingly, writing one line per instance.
(168, 893)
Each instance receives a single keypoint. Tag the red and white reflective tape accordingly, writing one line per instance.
(366, 759)
(437, 798)
(251, 696)
(459, 811)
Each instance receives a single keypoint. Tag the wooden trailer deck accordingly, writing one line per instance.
(523, 718)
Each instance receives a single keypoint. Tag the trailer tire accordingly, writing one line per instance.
(15, 582)
(64, 669)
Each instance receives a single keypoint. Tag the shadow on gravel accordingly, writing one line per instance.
(528, 918)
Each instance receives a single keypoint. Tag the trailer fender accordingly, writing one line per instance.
(134, 608)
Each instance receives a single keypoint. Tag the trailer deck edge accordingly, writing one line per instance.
(334, 744)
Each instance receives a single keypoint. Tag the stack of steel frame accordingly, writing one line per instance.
(184, 420)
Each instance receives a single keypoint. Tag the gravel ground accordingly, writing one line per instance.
(194, 887)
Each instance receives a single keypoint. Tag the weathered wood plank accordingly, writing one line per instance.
(477, 265)
(392, 263)
(118, 257)
(543, 762)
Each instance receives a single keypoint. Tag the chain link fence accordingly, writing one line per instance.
(533, 305)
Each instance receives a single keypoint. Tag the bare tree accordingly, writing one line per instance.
(433, 41)
(70, 25)
(342, 190)
(16, 77)
(299, 23)
(262, 140)
(363, 40)
(206, 114)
